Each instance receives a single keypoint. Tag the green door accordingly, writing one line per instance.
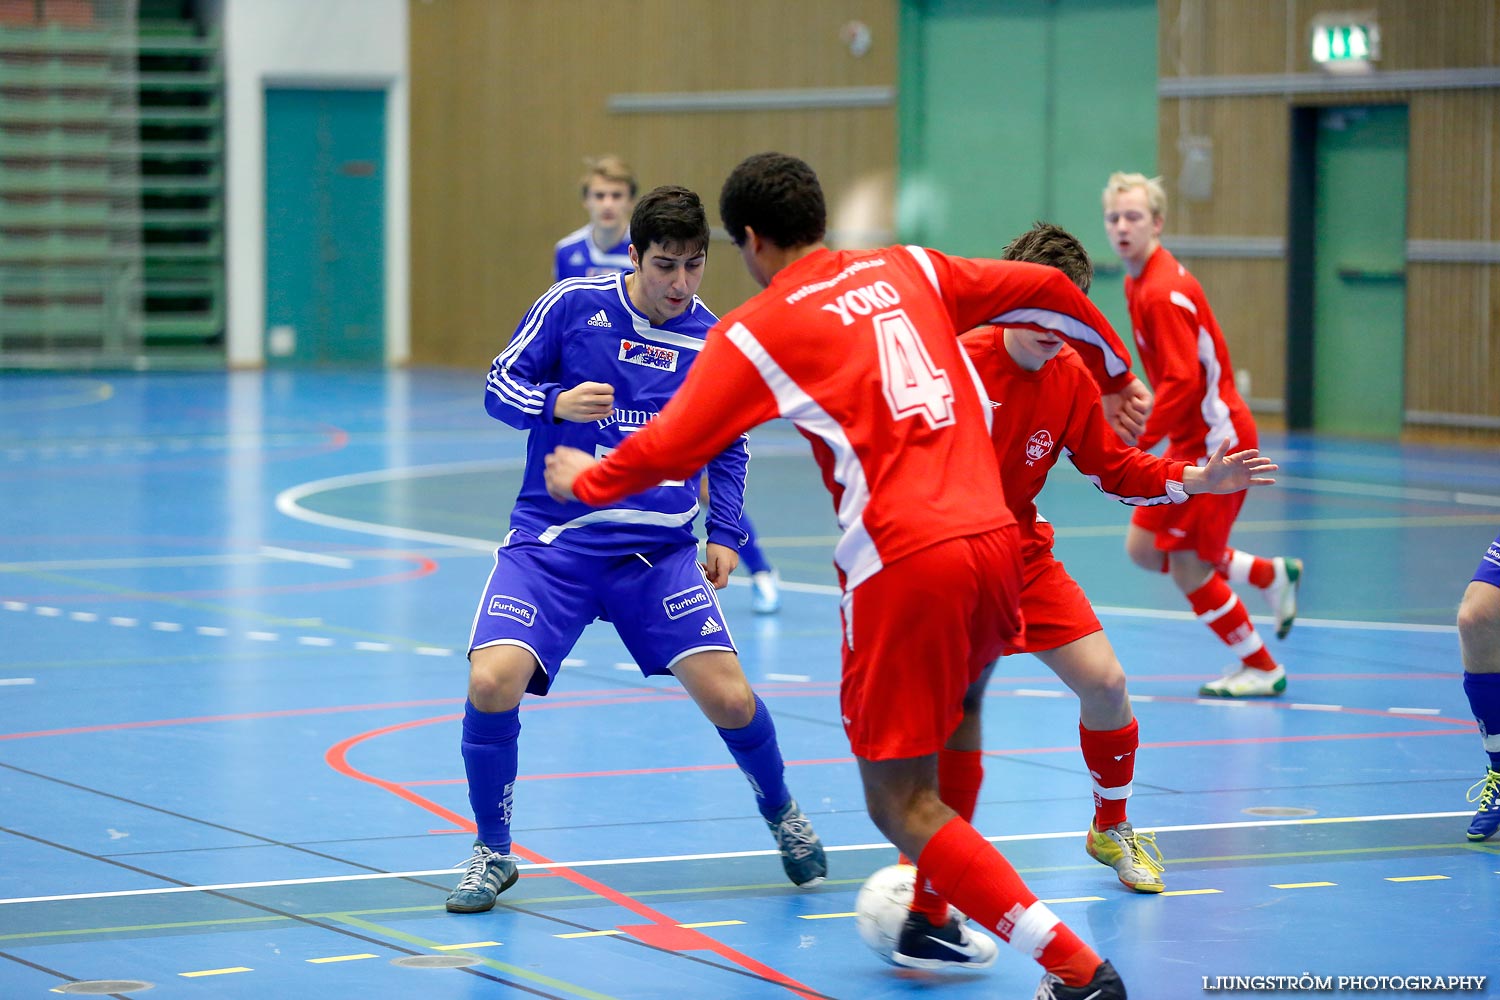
(325, 227)
(1359, 283)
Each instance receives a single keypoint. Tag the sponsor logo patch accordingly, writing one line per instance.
(509, 607)
(649, 355)
(685, 602)
(1039, 446)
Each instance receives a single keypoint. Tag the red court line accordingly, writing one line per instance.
(337, 758)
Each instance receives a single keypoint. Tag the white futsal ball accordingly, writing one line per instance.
(880, 908)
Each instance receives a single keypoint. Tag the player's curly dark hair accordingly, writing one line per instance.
(1046, 243)
(671, 217)
(776, 195)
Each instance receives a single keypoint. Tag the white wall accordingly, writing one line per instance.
(308, 43)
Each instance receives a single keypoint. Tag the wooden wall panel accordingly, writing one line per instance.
(1250, 137)
(1453, 339)
(1452, 165)
(1217, 38)
(508, 96)
(1453, 310)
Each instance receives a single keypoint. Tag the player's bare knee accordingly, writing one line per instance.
(497, 682)
(1142, 551)
(1479, 629)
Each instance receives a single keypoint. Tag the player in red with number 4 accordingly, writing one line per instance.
(859, 350)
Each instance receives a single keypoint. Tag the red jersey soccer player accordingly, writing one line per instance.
(1197, 408)
(859, 349)
(1047, 405)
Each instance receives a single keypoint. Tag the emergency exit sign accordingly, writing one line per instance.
(1347, 43)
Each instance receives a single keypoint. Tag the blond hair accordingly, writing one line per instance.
(1156, 195)
(607, 167)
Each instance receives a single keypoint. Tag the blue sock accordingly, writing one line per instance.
(750, 554)
(489, 749)
(755, 750)
(1484, 699)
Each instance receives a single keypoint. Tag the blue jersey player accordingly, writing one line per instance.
(602, 246)
(1479, 641)
(594, 360)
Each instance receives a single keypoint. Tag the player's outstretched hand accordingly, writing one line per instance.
(1229, 473)
(584, 402)
(718, 562)
(563, 466)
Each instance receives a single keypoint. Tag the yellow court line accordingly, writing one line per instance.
(824, 916)
(214, 972)
(340, 958)
(1192, 892)
(712, 923)
(1418, 878)
(461, 947)
(1300, 885)
(586, 934)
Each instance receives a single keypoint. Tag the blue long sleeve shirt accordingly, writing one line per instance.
(587, 330)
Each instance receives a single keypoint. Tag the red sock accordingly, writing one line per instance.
(1110, 756)
(1221, 609)
(967, 869)
(1237, 566)
(960, 776)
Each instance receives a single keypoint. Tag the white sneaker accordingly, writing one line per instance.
(765, 595)
(1282, 593)
(1247, 682)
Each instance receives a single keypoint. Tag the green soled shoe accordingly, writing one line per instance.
(1247, 682)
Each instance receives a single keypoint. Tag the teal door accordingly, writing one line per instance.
(1018, 111)
(325, 227)
(1359, 282)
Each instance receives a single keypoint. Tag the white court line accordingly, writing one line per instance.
(16, 681)
(676, 858)
(296, 555)
(288, 502)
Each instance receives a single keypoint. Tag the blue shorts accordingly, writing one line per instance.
(1489, 567)
(541, 597)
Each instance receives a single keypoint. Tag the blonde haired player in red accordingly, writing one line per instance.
(1197, 408)
(859, 349)
(1046, 406)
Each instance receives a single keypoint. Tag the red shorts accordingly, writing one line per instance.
(918, 633)
(1054, 606)
(1201, 525)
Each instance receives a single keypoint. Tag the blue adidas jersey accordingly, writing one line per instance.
(587, 330)
(577, 256)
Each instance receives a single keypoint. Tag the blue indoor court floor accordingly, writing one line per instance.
(233, 610)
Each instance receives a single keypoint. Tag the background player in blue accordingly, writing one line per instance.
(1479, 639)
(594, 360)
(602, 246)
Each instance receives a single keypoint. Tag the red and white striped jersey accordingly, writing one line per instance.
(860, 350)
(1185, 357)
(1051, 412)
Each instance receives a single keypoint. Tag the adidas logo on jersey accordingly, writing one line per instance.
(599, 319)
(710, 627)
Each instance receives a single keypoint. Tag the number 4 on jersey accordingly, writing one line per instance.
(913, 384)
